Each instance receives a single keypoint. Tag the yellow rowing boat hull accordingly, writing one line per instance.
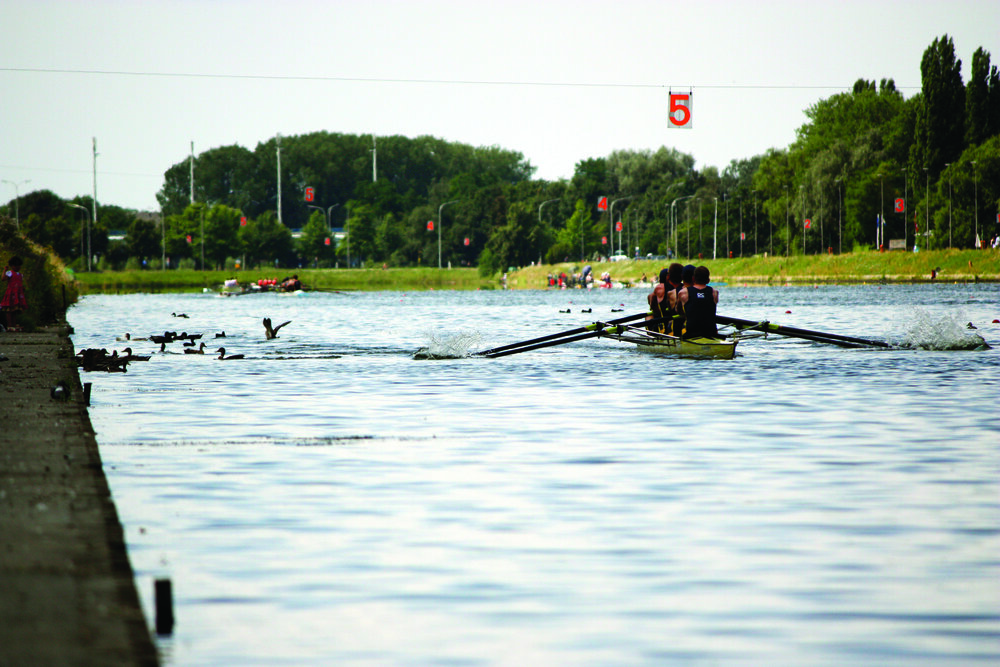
(712, 348)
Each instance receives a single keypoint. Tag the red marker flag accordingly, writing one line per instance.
(430, 225)
(808, 223)
(900, 205)
(602, 203)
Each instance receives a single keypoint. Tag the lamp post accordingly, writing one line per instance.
(612, 239)
(906, 204)
(927, 200)
(802, 208)
(673, 215)
(540, 206)
(881, 221)
(754, 222)
(440, 209)
(84, 209)
(715, 230)
(840, 211)
(788, 231)
(17, 201)
(975, 175)
(948, 164)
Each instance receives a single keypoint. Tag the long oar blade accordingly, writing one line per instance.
(494, 352)
(818, 336)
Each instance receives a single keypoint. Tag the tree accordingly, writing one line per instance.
(982, 99)
(142, 240)
(941, 127)
(266, 240)
(316, 243)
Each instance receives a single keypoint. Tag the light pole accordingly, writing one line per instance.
(906, 205)
(754, 222)
(802, 208)
(84, 209)
(927, 200)
(715, 230)
(879, 233)
(948, 164)
(17, 201)
(975, 175)
(613, 223)
(673, 216)
(840, 211)
(549, 201)
(788, 231)
(440, 209)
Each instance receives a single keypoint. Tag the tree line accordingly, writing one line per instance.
(868, 168)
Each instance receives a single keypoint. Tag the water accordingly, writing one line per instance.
(332, 500)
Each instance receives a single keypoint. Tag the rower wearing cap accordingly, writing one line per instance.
(698, 302)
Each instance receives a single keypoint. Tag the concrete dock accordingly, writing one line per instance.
(67, 595)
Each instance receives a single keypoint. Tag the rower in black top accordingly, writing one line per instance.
(698, 302)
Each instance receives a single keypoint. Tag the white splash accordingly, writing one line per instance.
(943, 331)
(453, 346)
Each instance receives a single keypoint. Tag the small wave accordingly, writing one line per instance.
(456, 346)
(941, 332)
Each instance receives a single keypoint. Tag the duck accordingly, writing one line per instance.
(128, 337)
(184, 315)
(189, 343)
(272, 332)
(195, 350)
(565, 311)
(617, 310)
(586, 310)
(134, 357)
(223, 357)
(221, 334)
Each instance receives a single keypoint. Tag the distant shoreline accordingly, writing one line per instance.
(867, 267)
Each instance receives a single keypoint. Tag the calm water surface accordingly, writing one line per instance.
(331, 500)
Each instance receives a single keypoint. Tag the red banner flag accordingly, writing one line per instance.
(602, 203)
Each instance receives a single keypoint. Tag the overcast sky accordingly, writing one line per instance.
(557, 81)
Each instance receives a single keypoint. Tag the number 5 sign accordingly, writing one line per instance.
(681, 105)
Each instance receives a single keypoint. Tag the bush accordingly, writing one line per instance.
(49, 286)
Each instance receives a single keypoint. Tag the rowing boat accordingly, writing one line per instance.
(657, 343)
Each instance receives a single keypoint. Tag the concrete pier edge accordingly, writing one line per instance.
(67, 590)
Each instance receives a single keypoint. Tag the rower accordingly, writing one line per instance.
(659, 309)
(698, 302)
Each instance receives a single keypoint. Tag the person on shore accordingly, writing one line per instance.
(698, 303)
(14, 299)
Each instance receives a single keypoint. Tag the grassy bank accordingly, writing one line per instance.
(859, 267)
(862, 267)
(413, 279)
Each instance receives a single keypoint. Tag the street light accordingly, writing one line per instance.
(673, 215)
(540, 206)
(715, 230)
(879, 241)
(948, 164)
(975, 174)
(612, 239)
(84, 209)
(440, 209)
(755, 222)
(840, 210)
(788, 231)
(802, 208)
(17, 198)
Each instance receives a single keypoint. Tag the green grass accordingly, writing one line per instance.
(859, 267)
(185, 280)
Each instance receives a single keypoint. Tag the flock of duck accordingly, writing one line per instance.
(98, 359)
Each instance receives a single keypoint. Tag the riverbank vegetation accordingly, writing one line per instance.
(50, 289)
(946, 265)
(869, 169)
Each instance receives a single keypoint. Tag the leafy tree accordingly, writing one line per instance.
(316, 243)
(142, 240)
(265, 240)
(982, 99)
(941, 127)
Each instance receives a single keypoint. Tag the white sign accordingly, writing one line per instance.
(681, 110)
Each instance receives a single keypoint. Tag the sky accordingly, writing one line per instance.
(557, 81)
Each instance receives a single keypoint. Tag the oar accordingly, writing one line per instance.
(818, 336)
(533, 344)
